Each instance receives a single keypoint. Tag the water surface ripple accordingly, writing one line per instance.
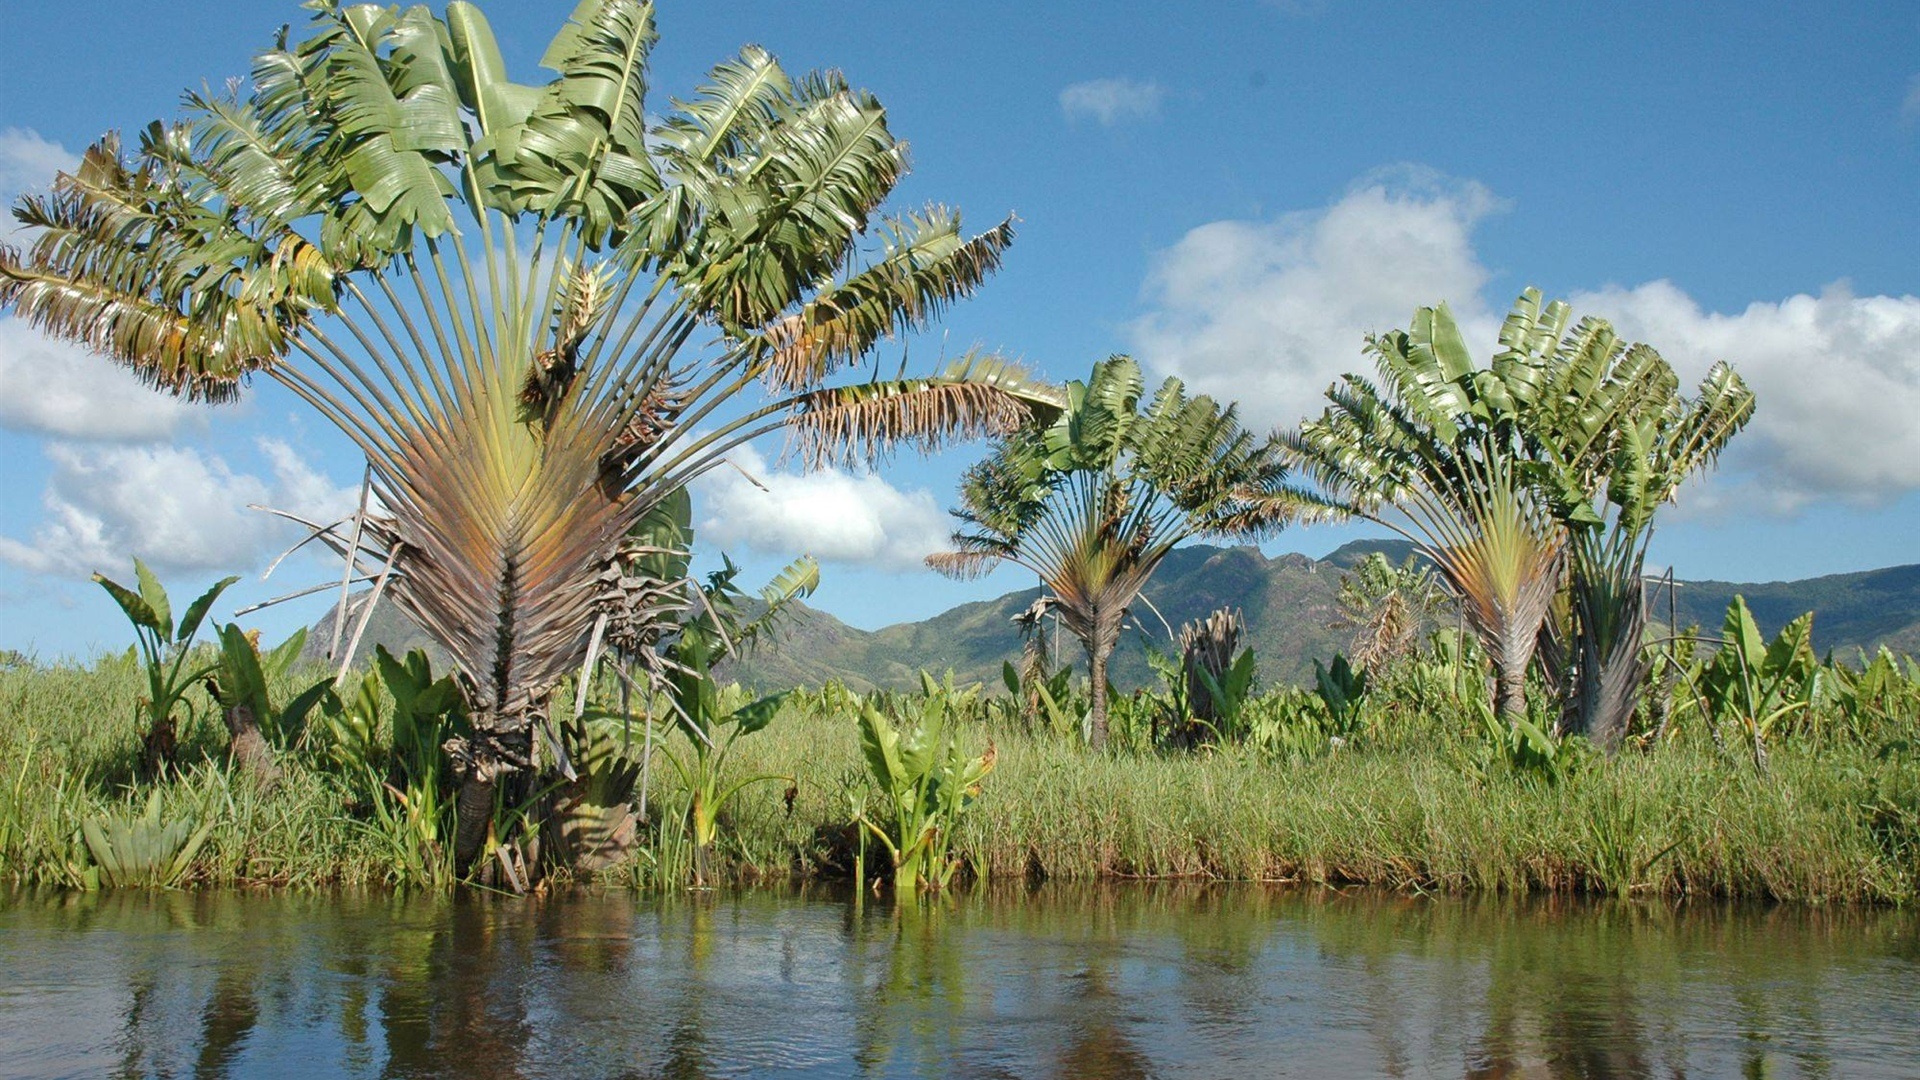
(1093, 982)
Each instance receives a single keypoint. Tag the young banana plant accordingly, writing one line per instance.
(256, 728)
(166, 654)
(712, 718)
(924, 783)
(1758, 684)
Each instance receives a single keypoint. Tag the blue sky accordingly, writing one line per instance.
(1234, 192)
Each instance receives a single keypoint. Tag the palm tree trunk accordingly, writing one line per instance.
(1097, 651)
(1510, 639)
(473, 814)
(249, 747)
(1611, 673)
(1510, 691)
(1611, 664)
(478, 767)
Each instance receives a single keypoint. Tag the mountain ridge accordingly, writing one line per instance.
(1288, 601)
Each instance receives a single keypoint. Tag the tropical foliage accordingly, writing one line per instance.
(241, 687)
(713, 720)
(1756, 685)
(1435, 451)
(924, 781)
(166, 654)
(1612, 439)
(501, 293)
(1534, 478)
(1095, 496)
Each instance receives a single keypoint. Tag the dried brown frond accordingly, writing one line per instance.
(847, 425)
(964, 565)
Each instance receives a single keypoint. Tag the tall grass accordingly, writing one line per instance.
(1415, 802)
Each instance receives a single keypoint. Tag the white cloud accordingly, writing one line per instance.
(57, 388)
(28, 162)
(1269, 313)
(1110, 101)
(832, 515)
(1836, 377)
(174, 507)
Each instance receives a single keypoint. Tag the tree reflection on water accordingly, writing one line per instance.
(1116, 982)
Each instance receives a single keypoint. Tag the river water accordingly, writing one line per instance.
(1117, 981)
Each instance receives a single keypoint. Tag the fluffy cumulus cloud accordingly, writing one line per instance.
(833, 515)
(1111, 101)
(175, 507)
(1268, 313)
(1836, 376)
(59, 389)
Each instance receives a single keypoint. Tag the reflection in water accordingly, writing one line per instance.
(1133, 981)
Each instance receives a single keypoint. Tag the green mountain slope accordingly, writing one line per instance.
(1289, 607)
(1287, 601)
(1863, 610)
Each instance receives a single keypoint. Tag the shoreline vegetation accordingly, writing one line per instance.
(1412, 799)
(644, 291)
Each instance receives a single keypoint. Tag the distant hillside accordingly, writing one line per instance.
(1288, 603)
(1865, 610)
(1289, 606)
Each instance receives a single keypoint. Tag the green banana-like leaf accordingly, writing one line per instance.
(755, 716)
(282, 657)
(665, 533)
(137, 610)
(196, 612)
(880, 745)
(1790, 654)
(155, 596)
(290, 721)
(1742, 632)
(241, 680)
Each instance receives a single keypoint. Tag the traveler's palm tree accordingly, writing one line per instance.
(1562, 448)
(1611, 438)
(1093, 499)
(532, 307)
(1434, 452)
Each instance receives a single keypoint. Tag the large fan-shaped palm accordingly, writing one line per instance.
(1435, 452)
(1093, 500)
(1611, 439)
(493, 289)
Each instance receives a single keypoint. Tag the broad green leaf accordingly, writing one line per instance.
(131, 603)
(156, 597)
(880, 744)
(1790, 654)
(1742, 633)
(197, 611)
(753, 717)
(242, 682)
(292, 718)
(283, 655)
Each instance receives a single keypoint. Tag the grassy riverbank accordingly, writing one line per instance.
(1411, 804)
